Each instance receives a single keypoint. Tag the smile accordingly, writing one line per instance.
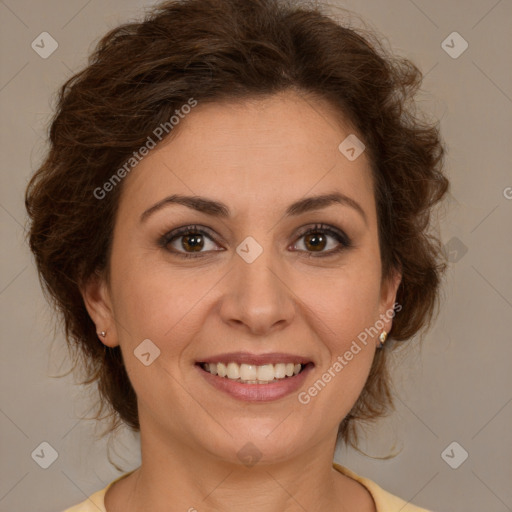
(253, 374)
(255, 378)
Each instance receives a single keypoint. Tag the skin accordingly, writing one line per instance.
(257, 157)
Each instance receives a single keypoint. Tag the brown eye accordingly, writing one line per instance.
(188, 242)
(193, 242)
(316, 240)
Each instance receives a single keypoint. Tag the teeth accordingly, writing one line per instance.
(221, 369)
(280, 371)
(248, 372)
(233, 371)
(252, 374)
(266, 372)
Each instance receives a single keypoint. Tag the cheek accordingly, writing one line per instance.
(343, 327)
(153, 302)
(149, 305)
(346, 302)
(343, 317)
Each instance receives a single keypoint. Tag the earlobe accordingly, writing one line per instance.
(97, 301)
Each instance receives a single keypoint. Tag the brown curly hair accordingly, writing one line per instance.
(211, 50)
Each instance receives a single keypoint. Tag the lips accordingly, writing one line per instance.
(255, 377)
(256, 359)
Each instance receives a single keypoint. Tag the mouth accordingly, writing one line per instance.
(246, 380)
(254, 374)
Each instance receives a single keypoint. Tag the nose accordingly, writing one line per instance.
(256, 296)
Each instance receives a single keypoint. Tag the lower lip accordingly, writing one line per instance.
(257, 392)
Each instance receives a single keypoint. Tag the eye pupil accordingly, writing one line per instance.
(316, 240)
(196, 243)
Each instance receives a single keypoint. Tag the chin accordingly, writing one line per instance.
(256, 442)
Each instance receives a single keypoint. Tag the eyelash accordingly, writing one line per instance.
(340, 236)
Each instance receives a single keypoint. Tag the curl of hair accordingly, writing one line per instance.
(213, 50)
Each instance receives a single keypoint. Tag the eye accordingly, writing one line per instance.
(192, 239)
(316, 239)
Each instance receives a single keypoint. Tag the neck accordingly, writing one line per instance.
(177, 477)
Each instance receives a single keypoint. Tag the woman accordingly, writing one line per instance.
(233, 219)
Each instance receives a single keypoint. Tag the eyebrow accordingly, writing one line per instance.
(220, 210)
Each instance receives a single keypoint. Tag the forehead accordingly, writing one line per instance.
(260, 153)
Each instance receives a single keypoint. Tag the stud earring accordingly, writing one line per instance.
(103, 334)
(382, 338)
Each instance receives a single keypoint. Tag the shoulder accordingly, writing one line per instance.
(95, 502)
(384, 501)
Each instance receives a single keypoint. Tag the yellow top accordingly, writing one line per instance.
(384, 501)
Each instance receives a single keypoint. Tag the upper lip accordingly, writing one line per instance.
(256, 359)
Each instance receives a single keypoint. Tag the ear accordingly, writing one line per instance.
(97, 299)
(389, 288)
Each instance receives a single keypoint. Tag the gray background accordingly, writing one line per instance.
(457, 387)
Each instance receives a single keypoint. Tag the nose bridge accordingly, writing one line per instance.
(258, 296)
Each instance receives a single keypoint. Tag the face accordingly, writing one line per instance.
(265, 286)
